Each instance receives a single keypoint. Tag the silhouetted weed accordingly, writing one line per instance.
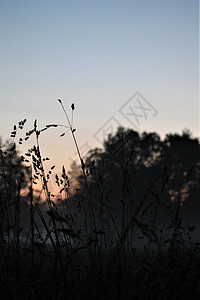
(85, 241)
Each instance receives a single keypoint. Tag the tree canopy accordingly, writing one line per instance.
(143, 175)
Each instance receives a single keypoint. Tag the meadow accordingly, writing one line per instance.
(113, 231)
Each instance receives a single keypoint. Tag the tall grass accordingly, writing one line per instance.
(75, 248)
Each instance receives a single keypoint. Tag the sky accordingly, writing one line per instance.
(129, 63)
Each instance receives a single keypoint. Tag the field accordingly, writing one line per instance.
(99, 241)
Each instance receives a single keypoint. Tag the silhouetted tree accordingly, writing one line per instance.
(12, 170)
(14, 177)
(143, 176)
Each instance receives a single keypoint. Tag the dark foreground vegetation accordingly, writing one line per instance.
(123, 225)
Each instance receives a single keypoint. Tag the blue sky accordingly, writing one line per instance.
(98, 54)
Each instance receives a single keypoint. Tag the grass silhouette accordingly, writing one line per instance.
(59, 249)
